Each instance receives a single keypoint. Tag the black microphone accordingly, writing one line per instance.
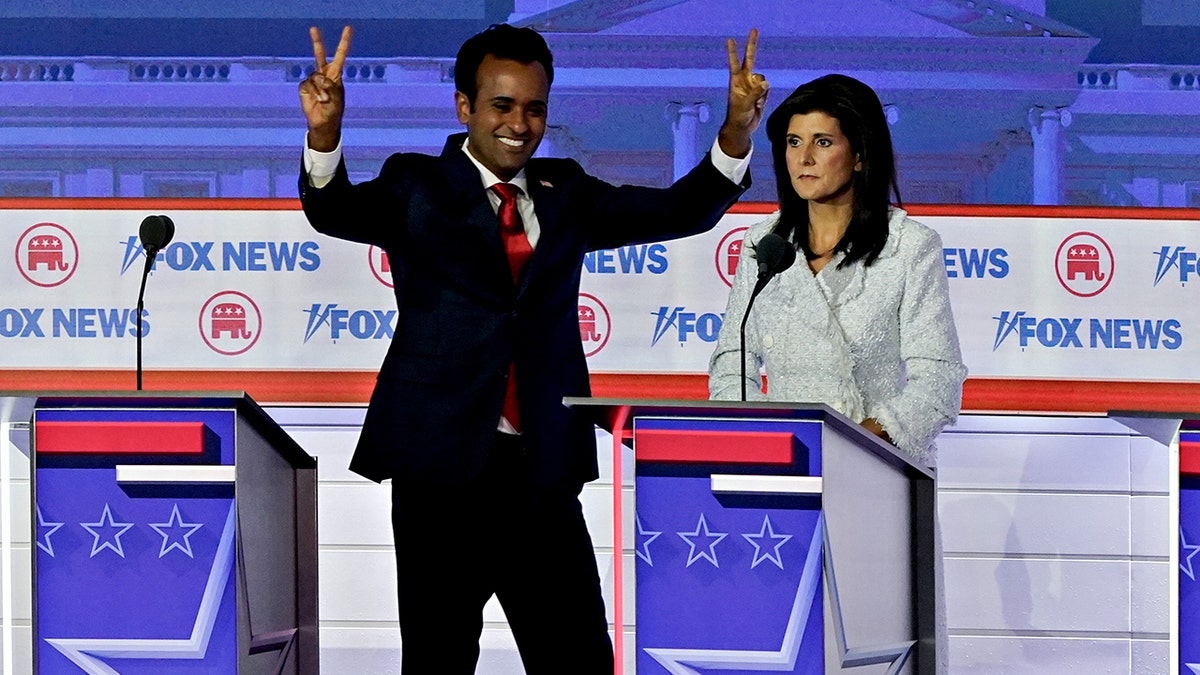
(155, 233)
(774, 255)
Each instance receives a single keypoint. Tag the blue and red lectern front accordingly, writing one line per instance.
(174, 533)
(776, 538)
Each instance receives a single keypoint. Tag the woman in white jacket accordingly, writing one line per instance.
(862, 321)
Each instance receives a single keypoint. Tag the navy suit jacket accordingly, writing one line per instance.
(461, 321)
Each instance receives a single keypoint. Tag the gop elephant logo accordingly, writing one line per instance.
(230, 323)
(595, 324)
(728, 252)
(1084, 263)
(381, 267)
(47, 255)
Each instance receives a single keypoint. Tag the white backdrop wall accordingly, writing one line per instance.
(1037, 292)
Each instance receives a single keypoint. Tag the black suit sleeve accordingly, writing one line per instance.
(372, 212)
(626, 215)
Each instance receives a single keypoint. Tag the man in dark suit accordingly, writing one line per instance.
(486, 248)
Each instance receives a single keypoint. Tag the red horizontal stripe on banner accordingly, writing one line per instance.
(710, 446)
(290, 204)
(149, 204)
(322, 387)
(1189, 457)
(1016, 211)
(1080, 396)
(119, 438)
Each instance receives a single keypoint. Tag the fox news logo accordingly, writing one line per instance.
(682, 324)
(230, 323)
(1178, 259)
(71, 322)
(643, 259)
(360, 324)
(1087, 333)
(595, 324)
(47, 255)
(240, 256)
(975, 263)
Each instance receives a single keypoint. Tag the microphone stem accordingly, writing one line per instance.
(138, 318)
(758, 287)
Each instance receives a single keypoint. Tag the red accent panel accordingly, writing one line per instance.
(353, 387)
(120, 438)
(149, 204)
(1189, 457)
(1079, 396)
(1015, 211)
(687, 445)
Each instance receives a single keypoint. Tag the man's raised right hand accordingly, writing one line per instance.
(322, 96)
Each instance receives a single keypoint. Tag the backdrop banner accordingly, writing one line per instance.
(1038, 292)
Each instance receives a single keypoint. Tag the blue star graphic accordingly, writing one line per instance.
(818, 559)
(1191, 551)
(708, 552)
(1194, 667)
(106, 522)
(46, 529)
(175, 533)
(90, 653)
(689, 661)
(761, 552)
(643, 548)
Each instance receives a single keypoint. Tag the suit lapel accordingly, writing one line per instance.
(548, 205)
(466, 190)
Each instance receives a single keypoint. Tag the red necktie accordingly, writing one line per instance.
(516, 245)
(512, 230)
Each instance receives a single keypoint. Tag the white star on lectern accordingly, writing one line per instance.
(50, 528)
(685, 661)
(176, 526)
(1194, 667)
(87, 652)
(760, 552)
(643, 548)
(1192, 550)
(106, 522)
(709, 554)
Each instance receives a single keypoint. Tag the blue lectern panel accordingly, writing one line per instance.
(1189, 561)
(129, 579)
(727, 582)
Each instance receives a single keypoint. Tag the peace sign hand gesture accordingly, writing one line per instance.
(322, 96)
(747, 98)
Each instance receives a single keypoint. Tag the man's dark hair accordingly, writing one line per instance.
(860, 115)
(523, 45)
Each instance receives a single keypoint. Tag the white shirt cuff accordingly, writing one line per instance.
(320, 166)
(732, 168)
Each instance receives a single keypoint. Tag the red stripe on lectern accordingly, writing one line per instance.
(725, 446)
(120, 438)
(1189, 457)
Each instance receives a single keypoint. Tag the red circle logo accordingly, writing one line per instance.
(728, 253)
(595, 324)
(47, 255)
(381, 267)
(1084, 264)
(230, 323)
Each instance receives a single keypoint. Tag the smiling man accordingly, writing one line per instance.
(486, 246)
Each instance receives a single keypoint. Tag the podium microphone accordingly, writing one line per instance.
(774, 255)
(155, 233)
